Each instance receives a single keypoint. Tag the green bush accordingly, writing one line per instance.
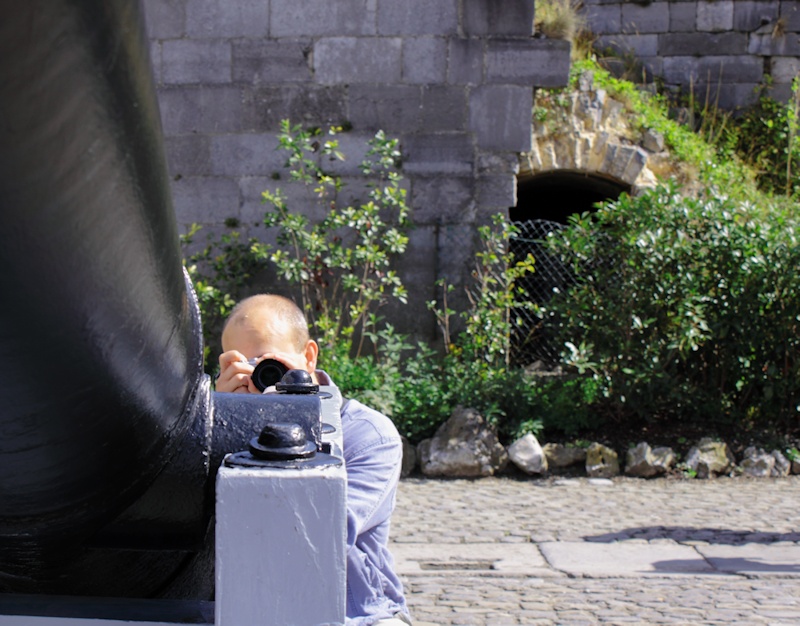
(685, 310)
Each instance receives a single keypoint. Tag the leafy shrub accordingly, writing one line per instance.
(685, 309)
(341, 264)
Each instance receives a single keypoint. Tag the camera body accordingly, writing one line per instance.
(267, 373)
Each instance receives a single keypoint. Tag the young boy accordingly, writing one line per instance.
(273, 327)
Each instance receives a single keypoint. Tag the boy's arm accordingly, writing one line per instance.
(373, 471)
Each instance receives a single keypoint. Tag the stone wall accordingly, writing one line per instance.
(729, 46)
(453, 79)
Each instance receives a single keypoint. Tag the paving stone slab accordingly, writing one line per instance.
(753, 559)
(578, 558)
(475, 558)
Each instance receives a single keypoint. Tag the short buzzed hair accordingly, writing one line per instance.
(280, 309)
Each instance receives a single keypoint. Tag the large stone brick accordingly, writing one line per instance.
(188, 155)
(466, 61)
(686, 44)
(256, 61)
(640, 45)
(265, 106)
(165, 19)
(245, 154)
(713, 69)
(499, 19)
(645, 18)
(185, 61)
(442, 199)
(764, 44)
(440, 153)
(418, 17)
(784, 69)
(536, 62)
(716, 16)
(224, 18)
(444, 108)
(496, 192)
(308, 18)
(296, 195)
(500, 116)
(603, 19)
(748, 15)
(352, 60)
(206, 199)
(393, 108)
(202, 109)
(424, 60)
(790, 12)
(682, 16)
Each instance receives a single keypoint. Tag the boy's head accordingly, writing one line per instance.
(270, 324)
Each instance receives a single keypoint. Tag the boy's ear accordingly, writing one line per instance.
(311, 353)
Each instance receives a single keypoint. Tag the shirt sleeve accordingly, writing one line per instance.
(373, 458)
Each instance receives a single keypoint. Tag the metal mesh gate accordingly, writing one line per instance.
(530, 341)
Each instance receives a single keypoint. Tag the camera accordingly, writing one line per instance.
(267, 373)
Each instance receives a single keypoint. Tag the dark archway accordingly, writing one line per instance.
(557, 194)
(544, 202)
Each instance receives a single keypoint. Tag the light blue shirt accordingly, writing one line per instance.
(373, 455)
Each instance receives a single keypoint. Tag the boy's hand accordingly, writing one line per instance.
(235, 373)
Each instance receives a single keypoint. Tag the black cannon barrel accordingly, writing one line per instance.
(100, 349)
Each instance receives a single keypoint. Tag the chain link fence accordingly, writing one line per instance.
(530, 340)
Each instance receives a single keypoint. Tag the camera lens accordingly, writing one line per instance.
(268, 373)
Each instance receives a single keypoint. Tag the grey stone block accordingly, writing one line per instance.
(393, 108)
(296, 195)
(537, 62)
(203, 109)
(417, 17)
(682, 16)
(645, 18)
(685, 44)
(603, 19)
(289, 18)
(748, 15)
(424, 60)
(493, 18)
(790, 12)
(716, 16)
(352, 60)
(496, 191)
(188, 155)
(640, 45)
(450, 153)
(223, 18)
(155, 61)
(206, 199)
(784, 69)
(444, 108)
(713, 69)
(265, 106)
(271, 61)
(465, 65)
(500, 115)
(246, 154)
(187, 61)
(767, 45)
(497, 163)
(354, 146)
(165, 19)
(732, 96)
(442, 199)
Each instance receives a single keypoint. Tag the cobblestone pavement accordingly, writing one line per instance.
(469, 519)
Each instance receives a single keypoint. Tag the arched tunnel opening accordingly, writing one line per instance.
(544, 204)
